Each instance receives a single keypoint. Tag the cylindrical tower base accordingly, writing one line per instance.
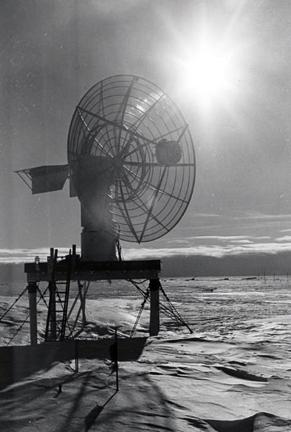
(98, 246)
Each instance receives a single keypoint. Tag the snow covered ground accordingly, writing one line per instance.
(233, 374)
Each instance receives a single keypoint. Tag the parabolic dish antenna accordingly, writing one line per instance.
(131, 162)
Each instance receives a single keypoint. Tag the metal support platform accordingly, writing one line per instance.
(60, 272)
(94, 271)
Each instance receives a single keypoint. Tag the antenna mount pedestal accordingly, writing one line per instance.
(98, 245)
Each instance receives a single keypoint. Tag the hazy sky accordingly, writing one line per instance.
(53, 51)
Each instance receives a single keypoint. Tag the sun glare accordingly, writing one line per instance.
(207, 72)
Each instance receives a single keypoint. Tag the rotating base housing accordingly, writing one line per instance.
(98, 246)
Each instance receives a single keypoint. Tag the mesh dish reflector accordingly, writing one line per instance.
(48, 178)
(138, 128)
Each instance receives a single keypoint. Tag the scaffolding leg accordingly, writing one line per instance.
(51, 327)
(32, 289)
(154, 307)
(83, 291)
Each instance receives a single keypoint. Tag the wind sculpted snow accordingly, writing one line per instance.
(232, 375)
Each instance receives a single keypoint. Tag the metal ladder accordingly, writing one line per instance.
(59, 294)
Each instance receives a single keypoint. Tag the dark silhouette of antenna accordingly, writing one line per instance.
(131, 163)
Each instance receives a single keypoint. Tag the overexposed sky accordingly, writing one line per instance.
(226, 63)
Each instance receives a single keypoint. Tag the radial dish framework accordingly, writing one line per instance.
(146, 150)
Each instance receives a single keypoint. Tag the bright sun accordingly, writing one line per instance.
(207, 71)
